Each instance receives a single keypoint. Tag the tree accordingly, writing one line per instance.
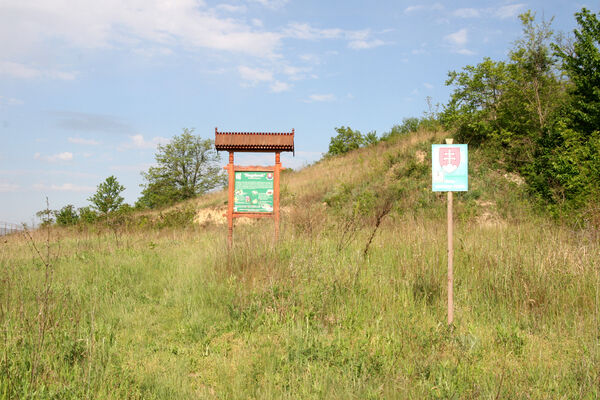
(582, 66)
(45, 216)
(66, 216)
(509, 104)
(567, 169)
(473, 107)
(107, 197)
(347, 140)
(409, 124)
(186, 167)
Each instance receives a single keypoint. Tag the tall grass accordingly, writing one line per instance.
(171, 313)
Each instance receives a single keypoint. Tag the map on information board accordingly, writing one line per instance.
(253, 192)
(449, 167)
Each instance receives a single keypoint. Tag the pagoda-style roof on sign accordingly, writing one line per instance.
(254, 141)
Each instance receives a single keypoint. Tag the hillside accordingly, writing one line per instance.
(350, 303)
(400, 165)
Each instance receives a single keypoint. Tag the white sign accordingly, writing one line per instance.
(449, 167)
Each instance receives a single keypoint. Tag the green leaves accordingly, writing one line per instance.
(186, 167)
(533, 119)
(348, 139)
(582, 66)
(107, 198)
(566, 170)
(66, 215)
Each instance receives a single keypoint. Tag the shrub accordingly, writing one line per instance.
(66, 216)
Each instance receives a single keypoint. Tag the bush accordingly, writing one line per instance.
(348, 139)
(66, 216)
(87, 215)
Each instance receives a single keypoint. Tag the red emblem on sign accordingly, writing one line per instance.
(449, 158)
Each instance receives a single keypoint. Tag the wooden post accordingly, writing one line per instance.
(276, 194)
(450, 257)
(450, 262)
(230, 200)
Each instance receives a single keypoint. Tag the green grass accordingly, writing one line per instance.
(171, 314)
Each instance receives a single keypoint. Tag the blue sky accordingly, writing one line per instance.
(89, 88)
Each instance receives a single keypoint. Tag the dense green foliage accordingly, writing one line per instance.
(538, 112)
(87, 215)
(567, 169)
(186, 167)
(348, 139)
(505, 105)
(66, 216)
(108, 196)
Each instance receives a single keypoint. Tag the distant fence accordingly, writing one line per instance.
(6, 228)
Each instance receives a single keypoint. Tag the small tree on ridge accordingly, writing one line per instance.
(107, 198)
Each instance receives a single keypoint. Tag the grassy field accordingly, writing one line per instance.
(172, 314)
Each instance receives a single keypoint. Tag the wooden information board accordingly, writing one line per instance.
(253, 191)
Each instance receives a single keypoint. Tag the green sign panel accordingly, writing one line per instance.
(253, 192)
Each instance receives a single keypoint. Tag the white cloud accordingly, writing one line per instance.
(112, 23)
(22, 71)
(411, 9)
(321, 98)
(458, 38)
(310, 58)
(278, 87)
(509, 11)
(88, 142)
(231, 8)
(138, 142)
(11, 101)
(65, 187)
(428, 85)
(255, 75)
(466, 13)
(153, 51)
(297, 73)
(148, 28)
(357, 40)
(457, 42)
(6, 187)
(271, 3)
(64, 156)
(305, 31)
(421, 7)
(465, 52)
(419, 52)
(365, 44)
(360, 40)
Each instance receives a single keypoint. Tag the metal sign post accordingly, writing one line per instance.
(449, 173)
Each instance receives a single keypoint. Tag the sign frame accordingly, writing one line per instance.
(268, 169)
(254, 142)
(450, 177)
